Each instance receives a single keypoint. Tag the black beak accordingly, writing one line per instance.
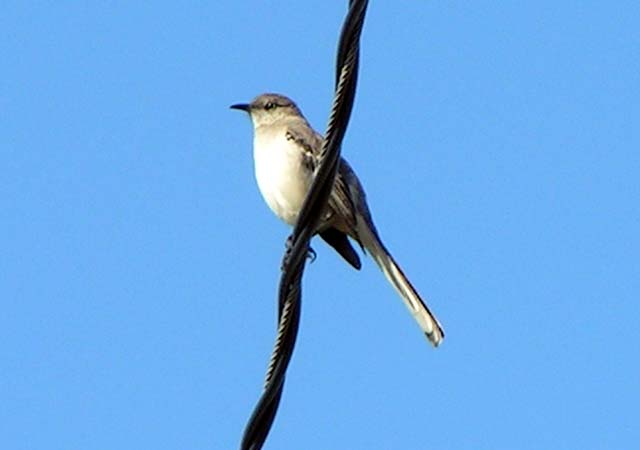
(240, 106)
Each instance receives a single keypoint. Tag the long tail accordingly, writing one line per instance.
(419, 310)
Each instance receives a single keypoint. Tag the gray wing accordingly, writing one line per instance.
(345, 197)
(342, 207)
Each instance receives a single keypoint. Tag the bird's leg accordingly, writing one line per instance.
(311, 253)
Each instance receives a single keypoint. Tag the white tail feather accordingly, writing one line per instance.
(419, 310)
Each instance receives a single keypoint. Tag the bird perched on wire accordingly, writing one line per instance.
(286, 153)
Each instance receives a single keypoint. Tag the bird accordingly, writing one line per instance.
(286, 152)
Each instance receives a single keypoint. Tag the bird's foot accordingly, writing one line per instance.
(311, 253)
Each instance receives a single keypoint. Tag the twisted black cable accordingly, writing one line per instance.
(293, 265)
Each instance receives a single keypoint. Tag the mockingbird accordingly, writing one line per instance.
(286, 153)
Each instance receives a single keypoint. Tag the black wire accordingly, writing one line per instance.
(289, 299)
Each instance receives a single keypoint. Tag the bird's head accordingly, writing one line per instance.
(267, 109)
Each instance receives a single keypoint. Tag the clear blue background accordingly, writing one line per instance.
(498, 144)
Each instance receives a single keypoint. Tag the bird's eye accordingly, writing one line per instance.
(269, 105)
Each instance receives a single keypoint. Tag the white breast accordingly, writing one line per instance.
(282, 178)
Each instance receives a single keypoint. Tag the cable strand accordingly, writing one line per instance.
(289, 294)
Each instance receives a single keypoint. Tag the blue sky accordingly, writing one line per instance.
(498, 144)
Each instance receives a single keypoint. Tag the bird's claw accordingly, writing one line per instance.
(311, 255)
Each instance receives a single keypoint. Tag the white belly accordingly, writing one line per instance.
(282, 178)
